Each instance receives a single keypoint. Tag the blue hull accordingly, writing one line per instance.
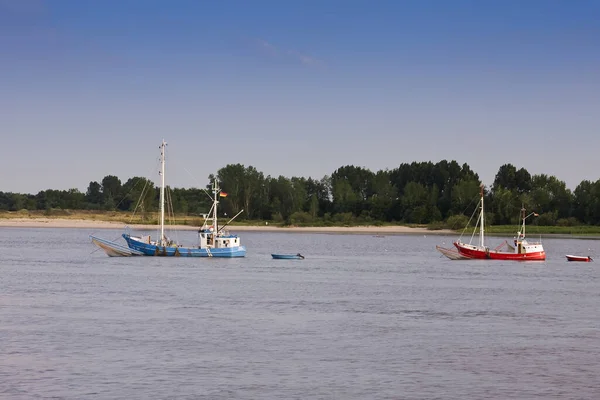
(287, 257)
(166, 251)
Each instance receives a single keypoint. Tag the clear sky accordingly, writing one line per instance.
(89, 88)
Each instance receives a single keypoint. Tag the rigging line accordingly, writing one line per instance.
(97, 248)
(142, 195)
(194, 179)
(93, 251)
(478, 197)
(130, 190)
(124, 197)
(139, 201)
(192, 176)
(198, 183)
(171, 211)
(468, 223)
(478, 223)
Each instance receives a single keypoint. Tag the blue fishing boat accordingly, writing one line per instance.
(213, 240)
(288, 256)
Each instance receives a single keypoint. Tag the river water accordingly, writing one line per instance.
(362, 317)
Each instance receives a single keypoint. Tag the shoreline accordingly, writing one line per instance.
(93, 224)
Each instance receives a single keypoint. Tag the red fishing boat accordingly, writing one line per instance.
(523, 250)
(578, 258)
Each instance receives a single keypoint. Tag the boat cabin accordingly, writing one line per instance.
(208, 239)
(522, 246)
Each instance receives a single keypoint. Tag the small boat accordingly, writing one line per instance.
(288, 256)
(113, 249)
(578, 258)
(522, 251)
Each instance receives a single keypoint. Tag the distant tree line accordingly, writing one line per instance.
(415, 193)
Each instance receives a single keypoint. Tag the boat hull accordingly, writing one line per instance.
(287, 257)
(477, 253)
(114, 249)
(578, 258)
(149, 249)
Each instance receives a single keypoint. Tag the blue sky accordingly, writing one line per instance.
(295, 88)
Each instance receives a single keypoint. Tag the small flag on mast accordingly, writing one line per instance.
(223, 194)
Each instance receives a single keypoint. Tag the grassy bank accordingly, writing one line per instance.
(532, 231)
(152, 218)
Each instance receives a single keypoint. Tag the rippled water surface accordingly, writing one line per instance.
(362, 317)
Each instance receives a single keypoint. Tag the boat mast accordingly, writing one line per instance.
(162, 193)
(481, 227)
(524, 218)
(216, 202)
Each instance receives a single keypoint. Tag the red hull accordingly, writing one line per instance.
(500, 255)
(579, 258)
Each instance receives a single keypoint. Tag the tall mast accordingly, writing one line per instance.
(481, 230)
(524, 218)
(216, 202)
(162, 192)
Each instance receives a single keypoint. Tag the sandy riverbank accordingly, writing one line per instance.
(93, 224)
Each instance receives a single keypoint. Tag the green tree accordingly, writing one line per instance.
(353, 179)
(321, 189)
(465, 194)
(384, 196)
(73, 199)
(508, 177)
(550, 194)
(583, 201)
(231, 178)
(344, 198)
(93, 195)
(251, 188)
(415, 202)
(141, 195)
(111, 188)
(282, 197)
(506, 206)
